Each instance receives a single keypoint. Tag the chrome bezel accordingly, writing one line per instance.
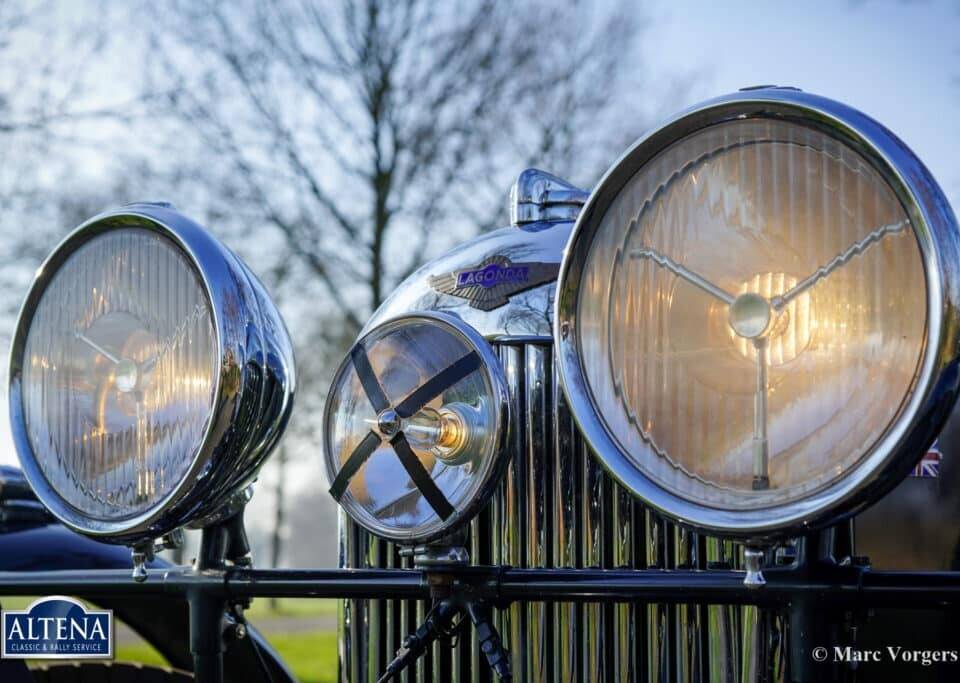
(936, 383)
(501, 455)
(253, 395)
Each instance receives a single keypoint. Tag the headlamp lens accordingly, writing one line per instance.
(119, 371)
(413, 428)
(752, 313)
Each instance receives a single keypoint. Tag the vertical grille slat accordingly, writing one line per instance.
(566, 535)
(723, 622)
(408, 612)
(557, 508)
(594, 642)
(626, 629)
(352, 627)
(514, 504)
(423, 664)
(687, 617)
(657, 646)
(479, 554)
(538, 403)
(376, 640)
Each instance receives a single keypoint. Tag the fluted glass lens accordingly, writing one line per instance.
(752, 314)
(451, 430)
(120, 369)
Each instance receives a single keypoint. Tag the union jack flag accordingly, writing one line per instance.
(929, 465)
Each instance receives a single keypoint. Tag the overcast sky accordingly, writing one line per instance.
(899, 62)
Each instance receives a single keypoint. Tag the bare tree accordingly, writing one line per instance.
(49, 50)
(54, 111)
(370, 134)
(346, 142)
(350, 141)
(39, 94)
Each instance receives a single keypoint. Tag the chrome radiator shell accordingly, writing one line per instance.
(557, 508)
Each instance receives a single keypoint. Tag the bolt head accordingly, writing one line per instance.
(389, 423)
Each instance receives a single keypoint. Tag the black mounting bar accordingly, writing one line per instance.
(851, 586)
(223, 583)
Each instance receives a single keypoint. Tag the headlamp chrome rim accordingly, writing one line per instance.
(935, 387)
(490, 364)
(251, 338)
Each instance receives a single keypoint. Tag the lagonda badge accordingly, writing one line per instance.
(492, 282)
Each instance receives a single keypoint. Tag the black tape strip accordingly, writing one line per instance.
(421, 478)
(368, 378)
(352, 465)
(437, 384)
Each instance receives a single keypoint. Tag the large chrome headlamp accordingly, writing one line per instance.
(756, 320)
(150, 376)
(415, 428)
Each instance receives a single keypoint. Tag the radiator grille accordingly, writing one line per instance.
(557, 508)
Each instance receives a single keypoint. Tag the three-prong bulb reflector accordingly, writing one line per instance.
(748, 308)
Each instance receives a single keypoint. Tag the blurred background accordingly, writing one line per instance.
(337, 145)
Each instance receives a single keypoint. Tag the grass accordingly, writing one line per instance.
(311, 655)
(140, 652)
(262, 608)
(22, 602)
(292, 607)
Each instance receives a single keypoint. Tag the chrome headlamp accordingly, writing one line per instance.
(756, 314)
(150, 376)
(415, 428)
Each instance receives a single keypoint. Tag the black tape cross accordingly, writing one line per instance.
(434, 386)
(368, 378)
(359, 456)
(421, 478)
(408, 407)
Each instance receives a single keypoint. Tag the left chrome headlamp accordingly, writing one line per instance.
(150, 376)
(415, 428)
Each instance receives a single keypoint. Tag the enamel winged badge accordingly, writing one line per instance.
(491, 283)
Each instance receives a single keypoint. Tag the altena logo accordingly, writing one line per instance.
(57, 627)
